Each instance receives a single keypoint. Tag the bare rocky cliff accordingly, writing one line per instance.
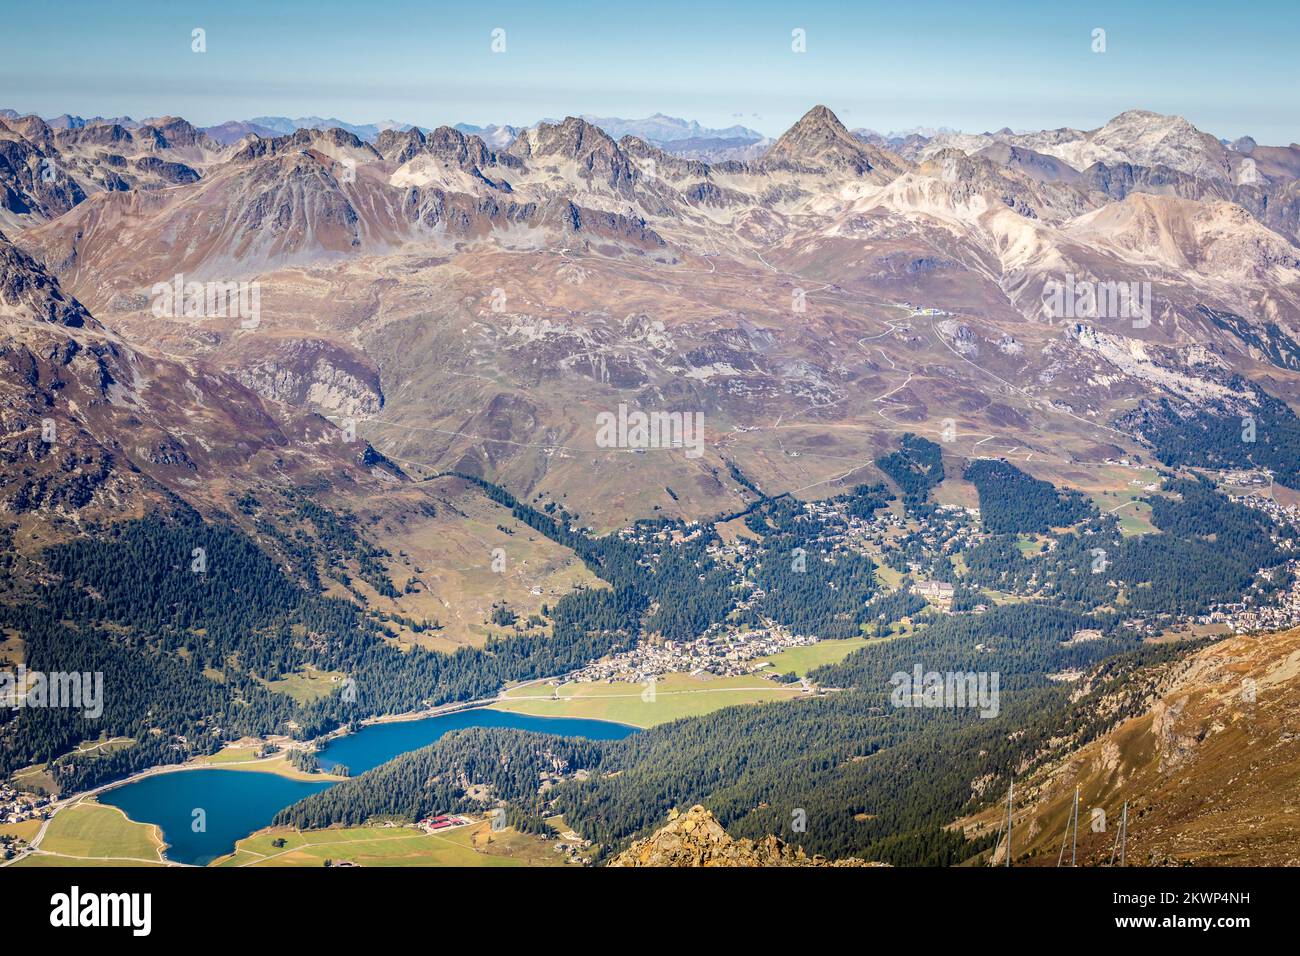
(696, 838)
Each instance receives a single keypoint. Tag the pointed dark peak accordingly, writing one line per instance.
(819, 141)
(821, 116)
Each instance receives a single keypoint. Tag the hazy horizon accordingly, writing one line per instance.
(1012, 64)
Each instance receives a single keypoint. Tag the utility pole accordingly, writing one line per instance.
(1071, 823)
(1075, 845)
(1124, 833)
(1010, 790)
(1121, 838)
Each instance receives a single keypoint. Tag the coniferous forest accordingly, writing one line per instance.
(190, 619)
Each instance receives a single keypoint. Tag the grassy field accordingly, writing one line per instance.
(23, 831)
(307, 685)
(1030, 545)
(955, 491)
(1119, 493)
(1134, 515)
(88, 833)
(1136, 519)
(474, 845)
(1004, 597)
(675, 695)
(11, 646)
(36, 778)
(735, 530)
(229, 754)
(107, 746)
(887, 575)
(448, 561)
(800, 660)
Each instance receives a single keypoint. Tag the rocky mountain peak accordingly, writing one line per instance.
(332, 141)
(820, 140)
(696, 838)
(459, 149)
(1155, 139)
(818, 135)
(32, 128)
(175, 131)
(400, 145)
(572, 138)
(575, 139)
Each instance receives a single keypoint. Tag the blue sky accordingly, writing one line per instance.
(1231, 69)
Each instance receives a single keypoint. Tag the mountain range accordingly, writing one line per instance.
(276, 321)
(622, 267)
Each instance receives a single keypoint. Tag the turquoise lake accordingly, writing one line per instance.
(235, 803)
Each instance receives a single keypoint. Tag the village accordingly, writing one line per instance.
(730, 651)
(1282, 608)
(730, 654)
(19, 807)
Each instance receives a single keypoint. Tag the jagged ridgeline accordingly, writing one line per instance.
(1012, 502)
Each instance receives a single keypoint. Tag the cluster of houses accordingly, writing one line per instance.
(1282, 610)
(1281, 613)
(728, 654)
(1250, 478)
(573, 847)
(16, 806)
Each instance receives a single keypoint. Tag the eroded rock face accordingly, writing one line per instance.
(696, 838)
(314, 374)
(28, 290)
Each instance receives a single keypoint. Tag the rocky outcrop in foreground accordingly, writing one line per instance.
(696, 838)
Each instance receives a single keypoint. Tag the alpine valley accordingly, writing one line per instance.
(300, 433)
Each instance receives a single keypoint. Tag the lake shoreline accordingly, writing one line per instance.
(254, 803)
